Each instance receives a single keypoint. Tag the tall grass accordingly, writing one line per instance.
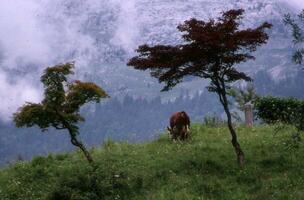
(202, 168)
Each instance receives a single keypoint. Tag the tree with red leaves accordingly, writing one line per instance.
(210, 50)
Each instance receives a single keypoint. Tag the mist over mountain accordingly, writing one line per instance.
(100, 36)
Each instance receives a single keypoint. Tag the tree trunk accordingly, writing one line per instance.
(248, 115)
(79, 144)
(73, 135)
(239, 153)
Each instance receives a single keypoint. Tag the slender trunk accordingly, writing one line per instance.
(73, 136)
(239, 153)
(79, 144)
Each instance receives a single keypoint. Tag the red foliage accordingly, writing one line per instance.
(211, 48)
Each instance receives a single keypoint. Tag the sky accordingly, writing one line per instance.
(35, 34)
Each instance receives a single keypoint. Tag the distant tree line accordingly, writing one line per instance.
(137, 119)
(126, 118)
(291, 86)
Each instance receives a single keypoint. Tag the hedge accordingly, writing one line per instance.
(284, 110)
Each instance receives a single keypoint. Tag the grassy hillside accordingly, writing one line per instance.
(204, 168)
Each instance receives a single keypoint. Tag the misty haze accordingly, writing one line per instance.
(98, 44)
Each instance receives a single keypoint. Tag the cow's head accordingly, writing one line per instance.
(172, 131)
(183, 132)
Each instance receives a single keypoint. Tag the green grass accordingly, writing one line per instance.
(203, 168)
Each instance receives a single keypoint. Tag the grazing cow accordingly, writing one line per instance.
(179, 126)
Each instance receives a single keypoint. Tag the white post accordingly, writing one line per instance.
(248, 115)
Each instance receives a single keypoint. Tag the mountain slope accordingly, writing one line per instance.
(102, 35)
(155, 22)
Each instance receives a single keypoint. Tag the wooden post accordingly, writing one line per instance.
(248, 115)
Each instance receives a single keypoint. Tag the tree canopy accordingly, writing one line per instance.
(210, 50)
(244, 96)
(60, 107)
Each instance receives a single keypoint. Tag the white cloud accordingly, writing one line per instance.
(35, 34)
(127, 31)
(20, 36)
(297, 4)
(14, 94)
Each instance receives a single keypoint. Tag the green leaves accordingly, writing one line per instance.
(297, 26)
(242, 97)
(284, 110)
(59, 108)
(35, 114)
(80, 93)
(53, 79)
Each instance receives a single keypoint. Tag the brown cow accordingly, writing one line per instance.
(179, 126)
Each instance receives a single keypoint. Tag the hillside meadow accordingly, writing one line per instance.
(203, 168)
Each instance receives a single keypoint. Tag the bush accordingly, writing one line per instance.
(281, 110)
(212, 121)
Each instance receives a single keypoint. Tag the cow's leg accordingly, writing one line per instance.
(183, 133)
(174, 133)
(188, 132)
(169, 132)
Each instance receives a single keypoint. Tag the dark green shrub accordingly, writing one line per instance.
(281, 110)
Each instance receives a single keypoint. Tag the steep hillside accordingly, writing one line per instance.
(203, 168)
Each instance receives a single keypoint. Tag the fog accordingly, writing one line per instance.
(35, 34)
(298, 4)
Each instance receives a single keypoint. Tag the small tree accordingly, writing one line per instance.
(210, 50)
(61, 104)
(243, 97)
(297, 26)
(245, 100)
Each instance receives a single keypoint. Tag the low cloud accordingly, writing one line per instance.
(14, 94)
(35, 34)
(297, 4)
(127, 29)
